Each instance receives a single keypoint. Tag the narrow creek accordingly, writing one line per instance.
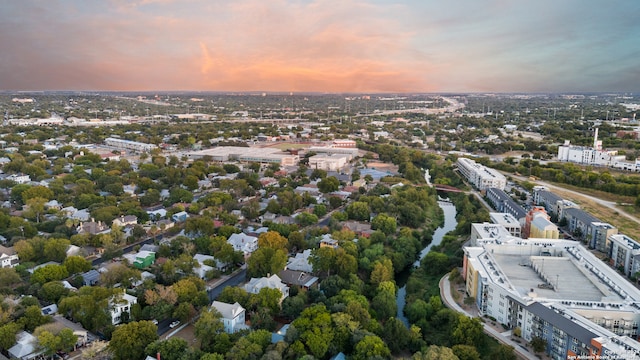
(450, 223)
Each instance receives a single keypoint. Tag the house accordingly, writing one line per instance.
(19, 179)
(156, 215)
(327, 241)
(300, 262)
(243, 242)
(90, 278)
(204, 268)
(25, 347)
(93, 228)
(144, 259)
(180, 216)
(126, 220)
(274, 282)
(119, 305)
(361, 229)
(232, 316)
(298, 278)
(81, 215)
(53, 204)
(8, 257)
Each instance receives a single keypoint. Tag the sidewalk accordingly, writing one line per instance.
(448, 301)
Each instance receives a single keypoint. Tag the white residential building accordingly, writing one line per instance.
(233, 316)
(274, 282)
(243, 242)
(8, 257)
(120, 304)
(481, 176)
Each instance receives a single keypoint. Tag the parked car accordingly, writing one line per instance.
(174, 324)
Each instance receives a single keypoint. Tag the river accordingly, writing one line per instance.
(450, 223)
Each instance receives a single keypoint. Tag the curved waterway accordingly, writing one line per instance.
(450, 223)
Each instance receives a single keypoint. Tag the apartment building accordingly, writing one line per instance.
(481, 176)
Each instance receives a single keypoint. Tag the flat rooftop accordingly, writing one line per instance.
(557, 278)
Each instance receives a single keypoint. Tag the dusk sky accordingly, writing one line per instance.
(321, 45)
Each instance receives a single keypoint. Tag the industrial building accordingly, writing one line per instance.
(481, 176)
(556, 290)
(329, 162)
(129, 145)
(246, 154)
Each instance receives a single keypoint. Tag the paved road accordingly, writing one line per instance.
(448, 301)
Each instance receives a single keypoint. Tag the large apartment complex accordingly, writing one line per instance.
(481, 176)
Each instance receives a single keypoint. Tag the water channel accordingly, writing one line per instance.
(450, 223)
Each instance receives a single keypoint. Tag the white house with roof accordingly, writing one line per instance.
(273, 282)
(300, 262)
(232, 316)
(126, 220)
(119, 305)
(25, 347)
(243, 242)
(8, 257)
(203, 269)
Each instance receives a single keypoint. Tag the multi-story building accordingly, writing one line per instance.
(580, 222)
(556, 290)
(8, 257)
(508, 221)
(624, 253)
(247, 154)
(538, 225)
(481, 176)
(599, 235)
(503, 203)
(546, 199)
(129, 145)
(330, 162)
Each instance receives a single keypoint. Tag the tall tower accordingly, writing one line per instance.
(597, 145)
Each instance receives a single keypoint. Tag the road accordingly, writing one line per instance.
(448, 301)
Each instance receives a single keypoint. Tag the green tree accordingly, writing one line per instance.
(469, 331)
(76, 264)
(170, 349)
(384, 223)
(369, 347)
(266, 260)
(49, 273)
(52, 291)
(323, 259)
(33, 318)
(8, 334)
(435, 352)
(129, 341)
(466, 352)
(328, 184)
(538, 344)
(207, 329)
(315, 329)
(358, 210)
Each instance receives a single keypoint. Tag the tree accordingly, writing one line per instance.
(52, 291)
(369, 347)
(323, 259)
(306, 219)
(9, 277)
(266, 260)
(64, 340)
(384, 223)
(8, 334)
(382, 271)
(538, 344)
(272, 239)
(49, 273)
(435, 352)
(469, 331)
(466, 352)
(358, 210)
(33, 318)
(328, 184)
(207, 329)
(129, 341)
(76, 264)
(56, 249)
(315, 329)
(171, 349)
(35, 208)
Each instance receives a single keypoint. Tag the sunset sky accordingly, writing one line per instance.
(321, 45)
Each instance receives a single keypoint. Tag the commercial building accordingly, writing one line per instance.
(556, 290)
(129, 145)
(246, 154)
(334, 150)
(329, 162)
(481, 176)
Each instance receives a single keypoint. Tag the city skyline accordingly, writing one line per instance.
(320, 46)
